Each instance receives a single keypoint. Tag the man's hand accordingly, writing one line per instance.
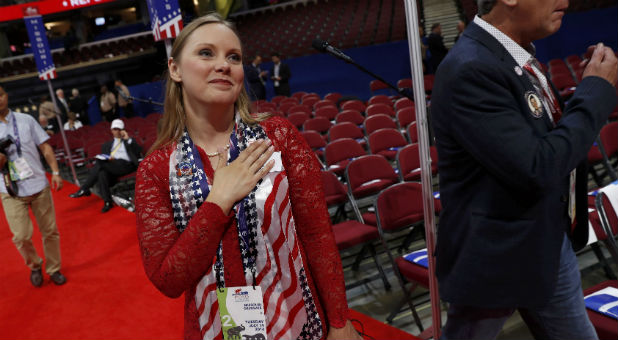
(602, 63)
(56, 182)
(124, 134)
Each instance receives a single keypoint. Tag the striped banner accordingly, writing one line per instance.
(40, 46)
(165, 18)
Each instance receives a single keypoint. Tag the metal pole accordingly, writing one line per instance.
(168, 47)
(64, 137)
(416, 63)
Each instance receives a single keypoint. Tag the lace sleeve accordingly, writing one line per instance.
(312, 220)
(173, 261)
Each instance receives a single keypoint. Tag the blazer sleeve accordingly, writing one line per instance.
(487, 119)
(134, 150)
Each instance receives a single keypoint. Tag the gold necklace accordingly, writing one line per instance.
(218, 152)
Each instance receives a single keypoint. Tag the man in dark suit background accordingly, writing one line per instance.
(256, 78)
(280, 75)
(435, 43)
(118, 157)
(513, 175)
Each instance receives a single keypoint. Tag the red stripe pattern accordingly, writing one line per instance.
(289, 308)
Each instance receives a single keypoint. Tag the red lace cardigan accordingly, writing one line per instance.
(175, 261)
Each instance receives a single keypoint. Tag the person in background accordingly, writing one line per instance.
(124, 98)
(280, 75)
(107, 103)
(461, 26)
(256, 79)
(79, 106)
(435, 43)
(199, 192)
(513, 175)
(63, 105)
(47, 116)
(72, 123)
(118, 157)
(33, 191)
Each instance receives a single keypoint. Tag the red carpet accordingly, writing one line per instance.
(107, 295)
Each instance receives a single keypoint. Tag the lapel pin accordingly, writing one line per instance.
(518, 70)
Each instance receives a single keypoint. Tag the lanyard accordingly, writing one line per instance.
(243, 229)
(16, 132)
(116, 148)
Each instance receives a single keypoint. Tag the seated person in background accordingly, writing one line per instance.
(72, 122)
(118, 157)
(47, 116)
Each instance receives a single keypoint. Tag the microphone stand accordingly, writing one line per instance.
(147, 101)
(404, 92)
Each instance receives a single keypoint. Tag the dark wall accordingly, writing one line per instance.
(580, 30)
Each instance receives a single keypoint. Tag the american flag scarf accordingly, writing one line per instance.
(269, 245)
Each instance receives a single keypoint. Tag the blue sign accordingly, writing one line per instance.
(165, 18)
(40, 47)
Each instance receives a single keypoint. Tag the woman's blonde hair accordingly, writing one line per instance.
(174, 119)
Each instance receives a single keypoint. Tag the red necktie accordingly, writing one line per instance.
(548, 94)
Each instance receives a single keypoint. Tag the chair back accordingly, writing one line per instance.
(400, 206)
(369, 174)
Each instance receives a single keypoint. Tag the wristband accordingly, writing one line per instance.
(55, 173)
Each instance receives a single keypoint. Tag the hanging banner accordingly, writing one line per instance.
(40, 46)
(44, 7)
(165, 18)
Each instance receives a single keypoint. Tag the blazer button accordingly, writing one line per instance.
(564, 198)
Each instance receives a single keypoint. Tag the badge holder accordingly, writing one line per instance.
(241, 310)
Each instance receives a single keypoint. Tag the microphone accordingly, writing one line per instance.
(324, 46)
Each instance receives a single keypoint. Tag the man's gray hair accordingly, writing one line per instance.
(485, 6)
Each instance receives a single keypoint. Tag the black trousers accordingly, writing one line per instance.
(106, 173)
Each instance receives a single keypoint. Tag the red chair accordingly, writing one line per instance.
(353, 105)
(298, 95)
(286, 106)
(300, 108)
(377, 122)
(403, 103)
(379, 108)
(310, 101)
(290, 100)
(347, 130)
(316, 142)
(324, 103)
(606, 327)
(565, 84)
(406, 116)
(328, 112)
(351, 116)
(412, 133)
(609, 143)
(376, 85)
(333, 97)
(350, 233)
(605, 227)
(381, 99)
(404, 83)
(428, 79)
(265, 107)
(277, 99)
(409, 163)
(339, 153)
(400, 207)
(319, 124)
(386, 142)
(367, 176)
(298, 119)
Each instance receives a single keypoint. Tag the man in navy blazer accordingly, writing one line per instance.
(512, 176)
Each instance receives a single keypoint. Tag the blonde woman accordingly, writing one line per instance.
(226, 199)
